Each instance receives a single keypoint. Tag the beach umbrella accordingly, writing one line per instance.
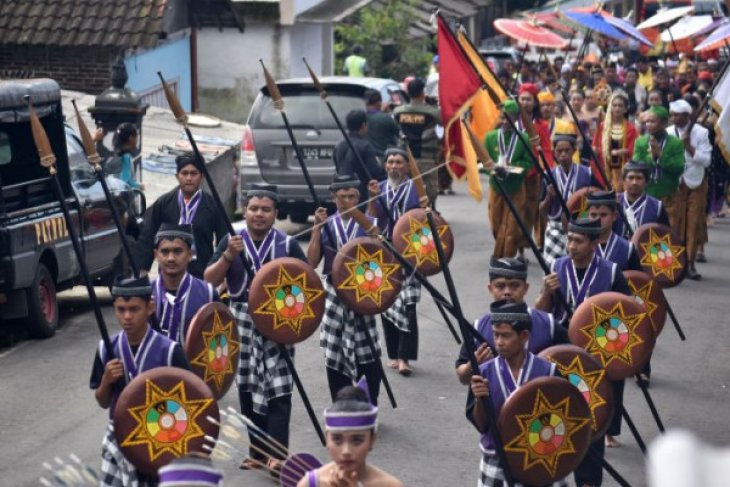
(530, 32)
(664, 16)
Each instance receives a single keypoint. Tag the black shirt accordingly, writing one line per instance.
(208, 221)
(346, 162)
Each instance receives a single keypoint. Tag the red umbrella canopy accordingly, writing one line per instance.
(530, 32)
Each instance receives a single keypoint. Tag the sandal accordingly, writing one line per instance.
(274, 466)
(249, 463)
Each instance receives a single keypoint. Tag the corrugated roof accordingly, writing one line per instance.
(105, 23)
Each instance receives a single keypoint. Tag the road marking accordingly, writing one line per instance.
(14, 349)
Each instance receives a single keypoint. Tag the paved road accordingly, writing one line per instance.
(48, 410)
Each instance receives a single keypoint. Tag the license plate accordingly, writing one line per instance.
(315, 153)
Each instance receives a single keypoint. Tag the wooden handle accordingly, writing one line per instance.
(274, 92)
(417, 179)
(42, 144)
(89, 146)
(315, 79)
(481, 151)
(173, 102)
(364, 221)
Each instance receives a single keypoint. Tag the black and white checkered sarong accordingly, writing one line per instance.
(116, 471)
(262, 371)
(555, 242)
(410, 294)
(343, 335)
(492, 475)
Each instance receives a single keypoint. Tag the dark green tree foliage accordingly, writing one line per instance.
(383, 33)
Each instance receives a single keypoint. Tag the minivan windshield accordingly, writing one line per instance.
(305, 109)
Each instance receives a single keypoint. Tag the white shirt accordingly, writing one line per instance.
(694, 166)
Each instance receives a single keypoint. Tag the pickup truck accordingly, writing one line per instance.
(37, 259)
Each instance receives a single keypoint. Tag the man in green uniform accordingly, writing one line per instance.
(664, 154)
(505, 151)
(418, 122)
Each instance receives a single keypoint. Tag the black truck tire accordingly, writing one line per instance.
(42, 304)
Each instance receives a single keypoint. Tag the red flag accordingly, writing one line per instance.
(458, 85)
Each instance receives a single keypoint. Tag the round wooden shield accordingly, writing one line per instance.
(161, 415)
(366, 276)
(663, 254)
(295, 467)
(587, 375)
(212, 345)
(616, 330)
(412, 237)
(649, 293)
(578, 202)
(286, 300)
(545, 427)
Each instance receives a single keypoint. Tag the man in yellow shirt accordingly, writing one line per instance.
(646, 73)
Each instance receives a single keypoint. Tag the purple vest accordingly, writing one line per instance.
(154, 351)
(175, 318)
(646, 209)
(392, 204)
(502, 385)
(600, 281)
(541, 335)
(343, 233)
(617, 250)
(578, 177)
(237, 279)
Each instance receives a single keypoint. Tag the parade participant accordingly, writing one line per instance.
(504, 150)
(500, 377)
(664, 154)
(351, 425)
(614, 139)
(193, 470)
(639, 207)
(508, 282)
(137, 348)
(178, 295)
(418, 121)
(646, 73)
(663, 83)
(570, 178)
(603, 205)
(264, 379)
(636, 93)
(389, 199)
(348, 355)
(187, 203)
(347, 161)
(591, 112)
(692, 196)
(579, 275)
(382, 129)
(548, 113)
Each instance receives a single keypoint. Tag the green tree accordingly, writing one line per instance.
(383, 34)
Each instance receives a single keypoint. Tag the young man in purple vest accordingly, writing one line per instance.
(570, 178)
(265, 382)
(389, 200)
(500, 377)
(508, 282)
(579, 275)
(178, 295)
(347, 355)
(639, 207)
(137, 348)
(187, 203)
(602, 205)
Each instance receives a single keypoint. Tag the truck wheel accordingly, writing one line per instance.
(42, 305)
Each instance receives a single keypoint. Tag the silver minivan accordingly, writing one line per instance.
(267, 154)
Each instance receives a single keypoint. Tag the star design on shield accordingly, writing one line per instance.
(586, 383)
(546, 433)
(369, 275)
(419, 241)
(612, 334)
(214, 358)
(661, 255)
(166, 422)
(289, 301)
(642, 295)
